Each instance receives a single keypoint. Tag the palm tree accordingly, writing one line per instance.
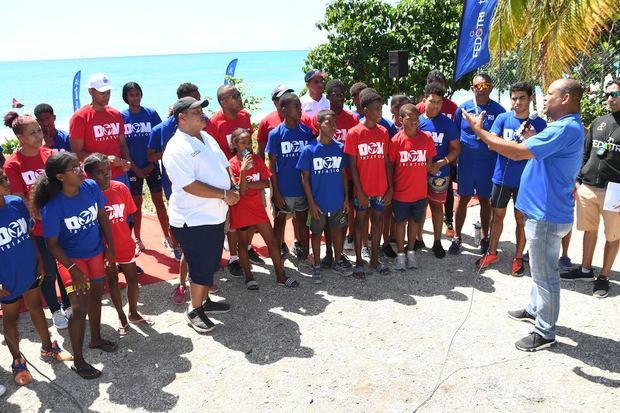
(549, 35)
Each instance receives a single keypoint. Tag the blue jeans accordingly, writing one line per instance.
(48, 286)
(545, 239)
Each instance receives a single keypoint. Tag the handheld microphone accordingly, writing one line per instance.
(531, 118)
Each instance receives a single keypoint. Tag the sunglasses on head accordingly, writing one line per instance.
(614, 94)
(482, 86)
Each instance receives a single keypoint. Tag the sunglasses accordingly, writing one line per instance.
(76, 169)
(614, 94)
(482, 86)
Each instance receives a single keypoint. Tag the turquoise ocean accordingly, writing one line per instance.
(34, 82)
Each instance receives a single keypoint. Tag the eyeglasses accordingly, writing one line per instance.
(614, 94)
(482, 86)
(76, 169)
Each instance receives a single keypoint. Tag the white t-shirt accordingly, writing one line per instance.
(311, 107)
(187, 159)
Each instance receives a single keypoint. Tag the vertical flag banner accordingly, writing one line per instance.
(76, 90)
(473, 46)
(230, 70)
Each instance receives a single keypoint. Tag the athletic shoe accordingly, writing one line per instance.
(455, 247)
(60, 319)
(601, 287)
(526, 257)
(177, 253)
(522, 315)
(341, 268)
(418, 245)
(388, 251)
(438, 249)
(234, 268)
(344, 260)
(68, 313)
(198, 320)
(136, 250)
(140, 245)
(565, 264)
(283, 249)
(517, 268)
(215, 307)
(450, 233)
(576, 274)
(487, 260)
(327, 262)
(297, 251)
(21, 375)
(484, 245)
(179, 295)
(167, 243)
(366, 254)
(534, 342)
(55, 353)
(411, 260)
(254, 257)
(316, 275)
(348, 243)
(401, 262)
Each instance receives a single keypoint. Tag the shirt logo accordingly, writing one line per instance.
(30, 177)
(413, 158)
(329, 164)
(292, 148)
(13, 234)
(116, 212)
(368, 150)
(138, 127)
(83, 220)
(341, 135)
(509, 134)
(437, 138)
(108, 131)
(253, 177)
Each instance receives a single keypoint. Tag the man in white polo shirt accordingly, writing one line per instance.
(201, 194)
(314, 101)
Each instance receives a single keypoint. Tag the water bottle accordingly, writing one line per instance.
(244, 154)
(477, 233)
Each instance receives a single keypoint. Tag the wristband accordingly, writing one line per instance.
(224, 197)
(70, 266)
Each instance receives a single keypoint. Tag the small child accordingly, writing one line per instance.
(284, 146)
(74, 218)
(322, 163)
(119, 206)
(367, 146)
(21, 261)
(251, 174)
(411, 153)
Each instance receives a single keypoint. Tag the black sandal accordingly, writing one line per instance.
(87, 373)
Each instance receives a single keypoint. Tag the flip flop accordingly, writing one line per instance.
(143, 320)
(251, 285)
(289, 283)
(122, 330)
(105, 345)
(88, 373)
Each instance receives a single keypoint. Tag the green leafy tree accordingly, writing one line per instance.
(9, 146)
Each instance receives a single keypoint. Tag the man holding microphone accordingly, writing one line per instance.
(546, 199)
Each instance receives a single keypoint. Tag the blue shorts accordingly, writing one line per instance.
(153, 180)
(375, 202)
(475, 177)
(404, 211)
(202, 247)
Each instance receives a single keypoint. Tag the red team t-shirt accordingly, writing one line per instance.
(100, 132)
(221, 128)
(369, 147)
(119, 205)
(266, 125)
(250, 209)
(345, 120)
(448, 108)
(409, 157)
(23, 172)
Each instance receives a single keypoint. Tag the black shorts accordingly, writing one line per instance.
(202, 247)
(153, 180)
(14, 300)
(500, 196)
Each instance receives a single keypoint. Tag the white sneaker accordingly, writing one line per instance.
(60, 319)
(348, 243)
(366, 254)
(68, 312)
(400, 264)
(411, 261)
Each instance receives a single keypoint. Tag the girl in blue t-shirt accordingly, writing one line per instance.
(74, 218)
(21, 262)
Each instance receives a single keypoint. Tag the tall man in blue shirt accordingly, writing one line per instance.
(546, 199)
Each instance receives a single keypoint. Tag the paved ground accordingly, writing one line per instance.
(345, 345)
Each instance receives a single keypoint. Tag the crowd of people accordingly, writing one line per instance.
(70, 202)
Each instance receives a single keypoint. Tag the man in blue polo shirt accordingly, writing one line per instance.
(476, 162)
(546, 199)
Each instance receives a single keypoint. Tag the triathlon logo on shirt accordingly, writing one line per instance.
(253, 177)
(610, 145)
(13, 234)
(413, 158)
(437, 138)
(373, 150)
(83, 220)
(327, 165)
(509, 134)
(341, 135)
(292, 148)
(30, 177)
(106, 132)
(116, 213)
(137, 127)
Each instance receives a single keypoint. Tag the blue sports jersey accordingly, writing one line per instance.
(17, 253)
(61, 141)
(473, 149)
(443, 131)
(286, 144)
(138, 127)
(325, 164)
(74, 221)
(548, 180)
(508, 172)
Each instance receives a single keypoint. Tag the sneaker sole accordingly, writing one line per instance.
(196, 328)
(600, 295)
(216, 311)
(526, 320)
(589, 280)
(541, 347)
(61, 327)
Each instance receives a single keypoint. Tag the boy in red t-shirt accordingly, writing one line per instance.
(119, 206)
(367, 146)
(411, 153)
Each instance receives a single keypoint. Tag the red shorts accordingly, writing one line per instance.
(92, 268)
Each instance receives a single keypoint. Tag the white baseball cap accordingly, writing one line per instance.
(99, 82)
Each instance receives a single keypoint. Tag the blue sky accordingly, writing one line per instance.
(43, 29)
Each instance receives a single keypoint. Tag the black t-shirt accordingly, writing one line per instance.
(601, 155)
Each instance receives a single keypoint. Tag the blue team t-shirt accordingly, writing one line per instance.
(548, 180)
(286, 144)
(473, 149)
(17, 253)
(138, 128)
(61, 141)
(443, 131)
(74, 221)
(508, 172)
(325, 164)
(162, 133)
